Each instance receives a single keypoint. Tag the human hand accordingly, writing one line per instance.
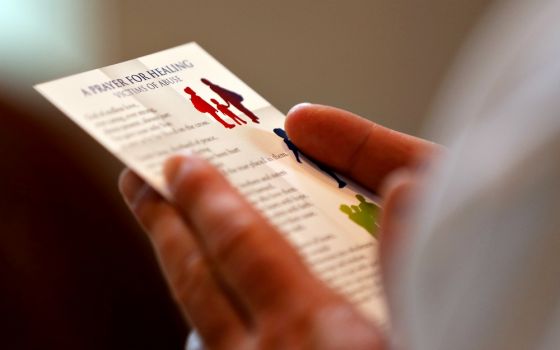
(238, 282)
(382, 160)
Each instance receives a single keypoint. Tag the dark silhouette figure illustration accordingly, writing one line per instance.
(225, 111)
(291, 146)
(295, 150)
(202, 106)
(329, 172)
(231, 97)
(365, 214)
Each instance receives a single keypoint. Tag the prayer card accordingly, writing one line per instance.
(183, 100)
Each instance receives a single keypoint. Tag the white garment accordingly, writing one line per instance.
(481, 266)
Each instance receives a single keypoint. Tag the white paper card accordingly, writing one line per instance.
(182, 99)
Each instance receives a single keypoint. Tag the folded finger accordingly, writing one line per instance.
(259, 264)
(194, 287)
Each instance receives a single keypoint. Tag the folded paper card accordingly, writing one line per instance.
(183, 100)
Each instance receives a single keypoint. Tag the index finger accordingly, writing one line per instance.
(261, 267)
(354, 146)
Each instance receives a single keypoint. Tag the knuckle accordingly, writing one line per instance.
(189, 283)
(164, 240)
(230, 236)
(279, 332)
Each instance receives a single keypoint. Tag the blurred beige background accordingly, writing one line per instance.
(64, 230)
(382, 59)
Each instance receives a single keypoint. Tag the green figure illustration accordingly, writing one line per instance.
(364, 214)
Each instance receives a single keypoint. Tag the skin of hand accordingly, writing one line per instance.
(239, 283)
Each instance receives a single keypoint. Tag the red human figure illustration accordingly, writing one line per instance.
(204, 107)
(231, 97)
(225, 110)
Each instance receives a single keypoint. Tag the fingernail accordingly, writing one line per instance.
(129, 184)
(298, 106)
(176, 168)
(132, 188)
(140, 195)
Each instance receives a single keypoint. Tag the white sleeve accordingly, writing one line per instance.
(481, 267)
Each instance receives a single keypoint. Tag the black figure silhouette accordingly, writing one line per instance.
(202, 106)
(225, 111)
(295, 150)
(291, 146)
(231, 97)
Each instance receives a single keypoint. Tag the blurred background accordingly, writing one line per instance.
(75, 271)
